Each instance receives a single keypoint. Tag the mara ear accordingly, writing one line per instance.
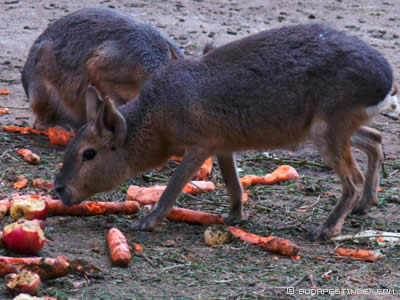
(110, 125)
(93, 103)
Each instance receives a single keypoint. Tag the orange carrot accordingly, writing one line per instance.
(4, 92)
(23, 130)
(56, 208)
(44, 184)
(271, 243)
(245, 198)
(367, 255)
(150, 195)
(21, 183)
(249, 180)
(205, 170)
(197, 187)
(176, 158)
(282, 173)
(138, 248)
(195, 217)
(119, 249)
(46, 268)
(29, 156)
(60, 137)
(3, 111)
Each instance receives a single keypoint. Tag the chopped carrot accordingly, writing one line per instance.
(44, 184)
(271, 243)
(197, 187)
(23, 130)
(176, 158)
(4, 92)
(380, 190)
(245, 198)
(21, 183)
(118, 246)
(138, 248)
(3, 111)
(205, 170)
(60, 137)
(296, 257)
(46, 268)
(380, 239)
(193, 216)
(150, 195)
(301, 210)
(367, 255)
(29, 156)
(327, 276)
(56, 208)
(249, 180)
(282, 173)
(313, 287)
(275, 258)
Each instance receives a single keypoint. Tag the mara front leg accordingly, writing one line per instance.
(192, 161)
(227, 165)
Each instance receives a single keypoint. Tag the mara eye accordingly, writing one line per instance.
(88, 154)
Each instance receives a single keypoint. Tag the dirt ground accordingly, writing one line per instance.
(176, 263)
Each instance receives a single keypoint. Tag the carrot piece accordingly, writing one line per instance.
(46, 268)
(245, 198)
(56, 208)
(150, 195)
(3, 111)
(197, 187)
(271, 243)
(176, 158)
(138, 248)
(23, 130)
(282, 173)
(21, 183)
(145, 195)
(367, 255)
(195, 217)
(60, 137)
(118, 246)
(205, 169)
(4, 92)
(29, 156)
(44, 184)
(249, 180)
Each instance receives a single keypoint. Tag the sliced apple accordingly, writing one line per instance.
(24, 237)
(25, 282)
(29, 208)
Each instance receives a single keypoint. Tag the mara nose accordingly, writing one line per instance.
(60, 190)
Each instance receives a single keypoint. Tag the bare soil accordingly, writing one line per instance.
(176, 263)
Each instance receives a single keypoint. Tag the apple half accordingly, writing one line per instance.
(29, 208)
(25, 282)
(24, 237)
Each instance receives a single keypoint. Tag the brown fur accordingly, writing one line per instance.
(271, 90)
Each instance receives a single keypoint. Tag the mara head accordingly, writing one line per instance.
(95, 160)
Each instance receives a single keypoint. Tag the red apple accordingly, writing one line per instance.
(23, 282)
(24, 237)
(29, 208)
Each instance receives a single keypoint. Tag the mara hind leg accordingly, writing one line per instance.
(369, 141)
(47, 108)
(113, 77)
(334, 146)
